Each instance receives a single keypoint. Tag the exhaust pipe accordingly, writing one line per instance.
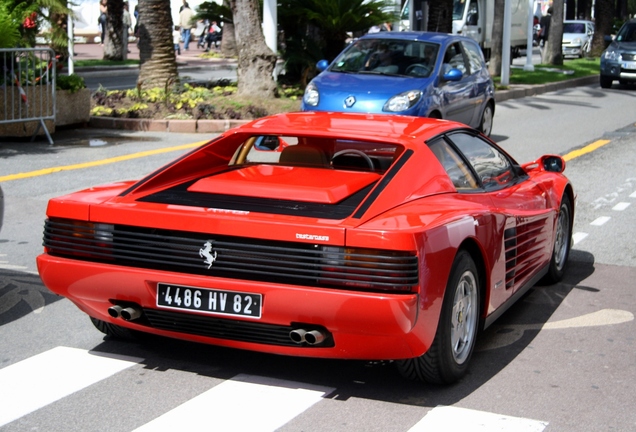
(130, 313)
(314, 337)
(115, 311)
(297, 335)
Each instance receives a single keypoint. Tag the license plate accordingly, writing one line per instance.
(209, 301)
(629, 65)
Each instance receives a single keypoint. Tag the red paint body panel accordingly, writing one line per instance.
(412, 210)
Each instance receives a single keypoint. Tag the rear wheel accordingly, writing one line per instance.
(485, 126)
(447, 359)
(606, 82)
(562, 243)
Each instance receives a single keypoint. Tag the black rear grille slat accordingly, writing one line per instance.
(235, 257)
(202, 325)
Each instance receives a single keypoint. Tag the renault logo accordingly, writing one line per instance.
(349, 101)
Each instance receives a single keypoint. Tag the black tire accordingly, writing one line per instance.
(448, 357)
(113, 330)
(485, 124)
(606, 82)
(562, 243)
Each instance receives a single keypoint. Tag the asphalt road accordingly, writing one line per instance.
(562, 359)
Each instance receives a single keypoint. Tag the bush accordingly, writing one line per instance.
(73, 83)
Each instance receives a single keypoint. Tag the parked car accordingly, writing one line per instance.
(368, 236)
(577, 38)
(618, 61)
(409, 73)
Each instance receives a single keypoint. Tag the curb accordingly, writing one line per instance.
(218, 126)
(520, 91)
(177, 126)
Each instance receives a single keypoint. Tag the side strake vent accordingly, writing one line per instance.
(524, 249)
(233, 257)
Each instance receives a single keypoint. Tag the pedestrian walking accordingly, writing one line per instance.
(213, 36)
(176, 39)
(127, 24)
(544, 32)
(103, 19)
(185, 23)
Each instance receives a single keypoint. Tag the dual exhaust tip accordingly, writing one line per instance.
(311, 337)
(127, 314)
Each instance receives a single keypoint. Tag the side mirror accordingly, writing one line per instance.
(551, 163)
(322, 65)
(453, 75)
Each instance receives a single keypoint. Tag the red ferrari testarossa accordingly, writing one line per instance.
(350, 236)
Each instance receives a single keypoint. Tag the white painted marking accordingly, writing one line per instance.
(11, 267)
(621, 206)
(600, 221)
(632, 195)
(42, 379)
(579, 236)
(451, 418)
(513, 333)
(243, 403)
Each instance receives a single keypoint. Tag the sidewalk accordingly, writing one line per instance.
(190, 58)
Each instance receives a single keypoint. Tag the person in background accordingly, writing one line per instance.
(185, 22)
(127, 24)
(199, 32)
(214, 35)
(136, 28)
(545, 32)
(103, 18)
(176, 39)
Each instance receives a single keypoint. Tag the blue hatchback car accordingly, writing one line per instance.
(410, 73)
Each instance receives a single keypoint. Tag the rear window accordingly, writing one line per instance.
(316, 152)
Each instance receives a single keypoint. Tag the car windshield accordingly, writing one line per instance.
(573, 28)
(388, 57)
(627, 33)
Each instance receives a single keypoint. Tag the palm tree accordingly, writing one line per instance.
(255, 60)
(553, 52)
(113, 46)
(604, 14)
(158, 64)
(319, 29)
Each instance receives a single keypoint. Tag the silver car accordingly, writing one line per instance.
(618, 61)
(577, 38)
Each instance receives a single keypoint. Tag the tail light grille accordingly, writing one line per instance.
(233, 257)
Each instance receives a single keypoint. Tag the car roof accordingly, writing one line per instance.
(396, 129)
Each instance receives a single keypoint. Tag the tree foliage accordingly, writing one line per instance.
(21, 20)
(319, 29)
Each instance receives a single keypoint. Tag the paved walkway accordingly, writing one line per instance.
(187, 58)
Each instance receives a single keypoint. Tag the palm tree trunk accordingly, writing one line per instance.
(114, 46)
(553, 52)
(255, 60)
(158, 64)
(604, 13)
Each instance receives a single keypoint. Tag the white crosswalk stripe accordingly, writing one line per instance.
(452, 418)
(50, 376)
(271, 402)
(47, 377)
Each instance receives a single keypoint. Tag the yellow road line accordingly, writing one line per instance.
(573, 154)
(46, 171)
(587, 149)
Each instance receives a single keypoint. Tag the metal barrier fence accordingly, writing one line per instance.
(27, 86)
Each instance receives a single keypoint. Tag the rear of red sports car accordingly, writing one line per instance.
(302, 234)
